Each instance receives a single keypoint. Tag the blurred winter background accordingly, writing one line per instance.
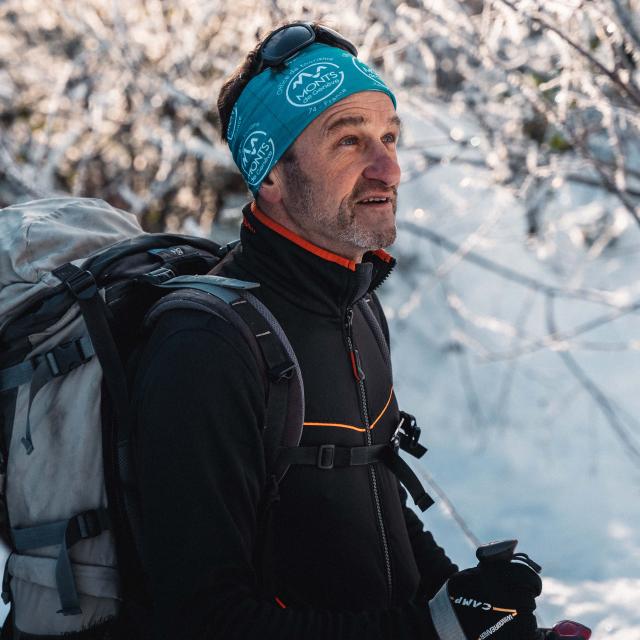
(515, 307)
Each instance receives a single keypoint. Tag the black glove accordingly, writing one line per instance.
(491, 601)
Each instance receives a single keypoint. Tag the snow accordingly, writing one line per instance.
(517, 442)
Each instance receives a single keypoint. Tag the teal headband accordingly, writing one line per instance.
(277, 105)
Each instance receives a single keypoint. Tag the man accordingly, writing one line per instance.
(314, 132)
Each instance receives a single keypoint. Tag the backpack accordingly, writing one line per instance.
(80, 286)
(80, 283)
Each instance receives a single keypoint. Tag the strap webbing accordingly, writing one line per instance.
(280, 368)
(443, 616)
(57, 362)
(83, 286)
(64, 533)
(328, 456)
(279, 364)
(405, 475)
(6, 582)
(17, 375)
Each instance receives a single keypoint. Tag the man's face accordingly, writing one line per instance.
(340, 190)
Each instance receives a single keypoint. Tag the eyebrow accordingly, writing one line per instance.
(350, 121)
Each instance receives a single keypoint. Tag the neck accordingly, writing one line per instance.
(281, 215)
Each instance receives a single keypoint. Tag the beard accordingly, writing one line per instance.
(307, 202)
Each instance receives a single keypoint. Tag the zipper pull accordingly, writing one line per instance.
(349, 320)
(356, 364)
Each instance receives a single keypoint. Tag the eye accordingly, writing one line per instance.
(390, 138)
(348, 141)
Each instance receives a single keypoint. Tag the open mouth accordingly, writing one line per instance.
(372, 202)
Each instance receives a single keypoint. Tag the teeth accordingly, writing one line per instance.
(375, 200)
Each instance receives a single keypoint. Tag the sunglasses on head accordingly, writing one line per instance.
(288, 40)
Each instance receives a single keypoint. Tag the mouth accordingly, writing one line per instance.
(375, 201)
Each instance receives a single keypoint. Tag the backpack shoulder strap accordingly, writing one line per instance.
(372, 311)
(232, 300)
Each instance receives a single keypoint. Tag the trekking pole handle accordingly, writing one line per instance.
(566, 630)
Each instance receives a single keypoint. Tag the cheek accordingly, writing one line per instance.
(335, 175)
(346, 179)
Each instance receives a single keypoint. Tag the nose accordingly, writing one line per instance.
(383, 166)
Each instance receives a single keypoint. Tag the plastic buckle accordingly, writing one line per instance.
(66, 357)
(230, 246)
(395, 439)
(82, 284)
(409, 425)
(88, 524)
(326, 456)
(158, 276)
(282, 371)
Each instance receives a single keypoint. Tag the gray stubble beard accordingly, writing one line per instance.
(305, 208)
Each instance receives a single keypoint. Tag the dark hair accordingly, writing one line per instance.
(238, 80)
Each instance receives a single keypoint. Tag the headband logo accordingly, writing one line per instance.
(255, 156)
(314, 83)
(367, 71)
(233, 124)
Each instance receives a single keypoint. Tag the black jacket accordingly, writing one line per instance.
(349, 559)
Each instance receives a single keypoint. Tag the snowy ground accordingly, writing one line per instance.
(517, 442)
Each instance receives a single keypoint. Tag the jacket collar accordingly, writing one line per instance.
(309, 276)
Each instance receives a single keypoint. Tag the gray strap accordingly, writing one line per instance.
(44, 535)
(13, 377)
(443, 616)
(23, 372)
(57, 362)
(41, 376)
(224, 288)
(64, 533)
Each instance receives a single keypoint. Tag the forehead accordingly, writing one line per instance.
(367, 107)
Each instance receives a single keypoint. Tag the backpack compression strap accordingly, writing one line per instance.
(329, 456)
(43, 368)
(64, 533)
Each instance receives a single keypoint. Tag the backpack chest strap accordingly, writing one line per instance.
(329, 456)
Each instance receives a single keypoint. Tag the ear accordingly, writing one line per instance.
(271, 187)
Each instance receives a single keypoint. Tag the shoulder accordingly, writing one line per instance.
(190, 350)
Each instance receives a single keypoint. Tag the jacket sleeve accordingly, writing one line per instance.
(433, 563)
(199, 402)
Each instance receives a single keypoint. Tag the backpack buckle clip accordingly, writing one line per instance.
(158, 276)
(82, 284)
(326, 456)
(406, 436)
(89, 524)
(66, 357)
(282, 371)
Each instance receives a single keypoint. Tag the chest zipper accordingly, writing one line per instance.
(364, 407)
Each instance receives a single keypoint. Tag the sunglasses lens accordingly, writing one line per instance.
(285, 42)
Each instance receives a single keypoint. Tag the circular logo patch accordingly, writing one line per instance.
(256, 153)
(314, 83)
(233, 124)
(367, 71)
